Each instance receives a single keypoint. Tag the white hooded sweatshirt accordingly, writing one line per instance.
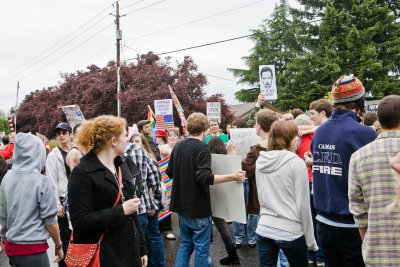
(284, 194)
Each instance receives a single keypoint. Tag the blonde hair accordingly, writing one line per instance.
(197, 123)
(303, 119)
(95, 133)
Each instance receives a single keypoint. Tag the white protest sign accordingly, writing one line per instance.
(214, 111)
(163, 107)
(244, 138)
(268, 81)
(371, 105)
(164, 116)
(227, 199)
(73, 114)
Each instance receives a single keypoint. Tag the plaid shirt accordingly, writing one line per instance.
(151, 179)
(371, 189)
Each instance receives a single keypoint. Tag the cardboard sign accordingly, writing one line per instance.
(268, 82)
(164, 116)
(372, 105)
(227, 199)
(73, 114)
(163, 107)
(214, 111)
(244, 138)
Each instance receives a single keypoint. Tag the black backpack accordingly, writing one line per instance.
(135, 174)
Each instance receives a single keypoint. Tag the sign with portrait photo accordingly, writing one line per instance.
(268, 81)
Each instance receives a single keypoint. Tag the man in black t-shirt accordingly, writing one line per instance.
(190, 167)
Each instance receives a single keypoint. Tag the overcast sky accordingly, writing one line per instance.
(37, 44)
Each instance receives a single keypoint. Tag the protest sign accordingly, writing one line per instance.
(73, 114)
(164, 117)
(227, 199)
(268, 81)
(214, 111)
(371, 105)
(244, 138)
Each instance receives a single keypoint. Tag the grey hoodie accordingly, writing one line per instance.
(284, 195)
(27, 198)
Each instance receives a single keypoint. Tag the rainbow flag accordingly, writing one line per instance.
(150, 118)
(178, 107)
(163, 164)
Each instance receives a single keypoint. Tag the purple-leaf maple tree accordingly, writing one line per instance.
(94, 90)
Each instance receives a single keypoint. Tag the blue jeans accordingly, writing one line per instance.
(252, 220)
(154, 243)
(195, 234)
(295, 251)
(282, 261)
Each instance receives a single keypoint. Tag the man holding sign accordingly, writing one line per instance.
(190, 165)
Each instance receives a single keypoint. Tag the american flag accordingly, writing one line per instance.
(164, 122)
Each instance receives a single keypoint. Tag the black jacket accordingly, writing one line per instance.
(92, 191)
(153, 147)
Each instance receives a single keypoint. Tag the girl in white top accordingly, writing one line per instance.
(172, 139)
(283, 192)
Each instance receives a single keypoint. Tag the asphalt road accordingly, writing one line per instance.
(248, 256)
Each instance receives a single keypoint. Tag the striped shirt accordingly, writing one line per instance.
(371, 189)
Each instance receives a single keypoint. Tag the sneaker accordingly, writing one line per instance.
(170, 236)
(311, 261)
(238, 245)
(320, 263)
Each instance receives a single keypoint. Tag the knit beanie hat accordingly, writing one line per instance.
(348, 89)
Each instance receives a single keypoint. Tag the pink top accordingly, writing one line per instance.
(13, 249)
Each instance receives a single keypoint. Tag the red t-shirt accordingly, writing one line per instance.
(13, 249)
(305, 145)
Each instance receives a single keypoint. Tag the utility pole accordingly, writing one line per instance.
(118, 37)
(15, 110)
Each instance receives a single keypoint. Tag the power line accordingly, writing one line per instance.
(33, 72)
(24, 66)
(280, 29)
(193, 21)
(52, 53)
(86, 39)
(139, 9)
(217, 77)
(133, 4)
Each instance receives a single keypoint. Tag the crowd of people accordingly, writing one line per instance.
(320, 188)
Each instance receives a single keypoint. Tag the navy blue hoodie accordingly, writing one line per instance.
(333, 144)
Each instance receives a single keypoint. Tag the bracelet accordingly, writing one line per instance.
(58, 247)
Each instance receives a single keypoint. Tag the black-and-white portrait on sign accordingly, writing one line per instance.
(267, 81)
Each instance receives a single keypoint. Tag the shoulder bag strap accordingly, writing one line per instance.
(116, 201)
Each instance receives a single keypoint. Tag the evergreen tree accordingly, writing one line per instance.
(359, 37)
(327, 39)
(274, 44)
